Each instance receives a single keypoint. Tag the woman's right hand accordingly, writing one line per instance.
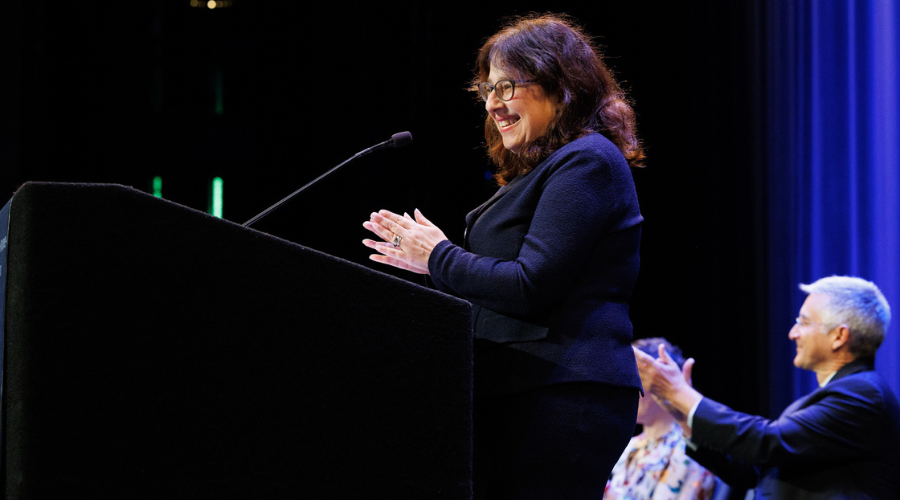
(415, 239)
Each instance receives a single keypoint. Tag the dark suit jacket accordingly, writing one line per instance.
(549, 263)
(840, 441)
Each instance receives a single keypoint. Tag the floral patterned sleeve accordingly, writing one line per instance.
(660, 470)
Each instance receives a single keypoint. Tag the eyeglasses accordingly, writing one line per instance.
(505, 89)
(804, 323)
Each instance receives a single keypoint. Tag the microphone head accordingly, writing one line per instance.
(401, 139)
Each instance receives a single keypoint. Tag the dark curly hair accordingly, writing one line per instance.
(551, 50)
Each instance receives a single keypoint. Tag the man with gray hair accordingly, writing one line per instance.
(840, 441)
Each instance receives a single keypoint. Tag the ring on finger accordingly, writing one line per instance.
(396, 241)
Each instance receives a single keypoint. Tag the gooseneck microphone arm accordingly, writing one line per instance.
(397, 140)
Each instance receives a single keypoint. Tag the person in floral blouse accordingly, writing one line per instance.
(654, 464)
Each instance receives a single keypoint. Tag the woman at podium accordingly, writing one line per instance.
(548, 263)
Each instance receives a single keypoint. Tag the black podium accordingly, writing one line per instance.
(155, 352)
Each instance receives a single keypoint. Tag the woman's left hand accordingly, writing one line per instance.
(407, 242)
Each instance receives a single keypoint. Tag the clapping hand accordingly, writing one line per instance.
(407, 242)
(670, 386)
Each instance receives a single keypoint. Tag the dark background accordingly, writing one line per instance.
(268, 95)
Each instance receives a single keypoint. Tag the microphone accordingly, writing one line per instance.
(397, 140)
(401, 139)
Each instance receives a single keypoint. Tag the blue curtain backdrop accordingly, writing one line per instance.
(833, 79)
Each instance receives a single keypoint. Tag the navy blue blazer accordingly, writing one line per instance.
(549, 264)
(840, 441)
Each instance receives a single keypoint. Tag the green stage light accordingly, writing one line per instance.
(215, 198)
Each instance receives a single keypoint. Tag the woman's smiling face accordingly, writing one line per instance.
(523, 118)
